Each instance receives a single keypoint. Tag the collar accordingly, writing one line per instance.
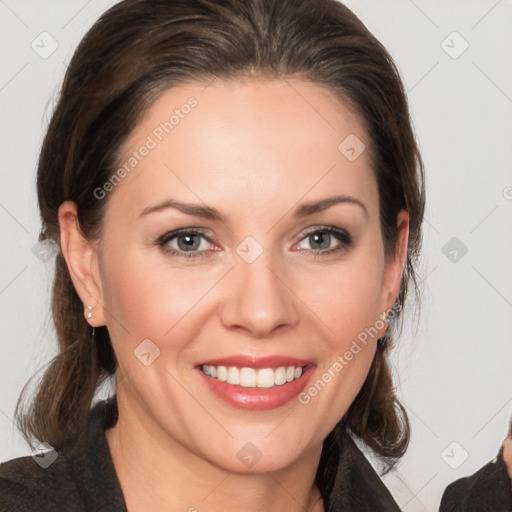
(90, 464)
(349, 486)
(352, 485)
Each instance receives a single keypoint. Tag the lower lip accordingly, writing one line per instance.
(258, 399)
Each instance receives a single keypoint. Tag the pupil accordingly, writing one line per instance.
(189, 242)
(322, 239)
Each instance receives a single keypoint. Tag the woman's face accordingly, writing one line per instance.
(272, 275)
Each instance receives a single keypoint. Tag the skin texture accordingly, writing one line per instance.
(254, 150)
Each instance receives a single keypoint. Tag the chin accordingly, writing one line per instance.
(259, 455)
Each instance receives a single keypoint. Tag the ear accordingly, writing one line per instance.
(395, 263)
(82, 262)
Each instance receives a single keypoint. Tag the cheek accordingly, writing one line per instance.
(146, 298)
(349, 306)
(347, 299)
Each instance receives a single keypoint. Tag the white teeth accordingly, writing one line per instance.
(265, 378)
(222, 373)
(280, 376)
(248, 377)
(233, 376)
(251, 378)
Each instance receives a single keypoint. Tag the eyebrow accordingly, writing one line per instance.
(208, 212)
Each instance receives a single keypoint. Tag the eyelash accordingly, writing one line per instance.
(340, 234)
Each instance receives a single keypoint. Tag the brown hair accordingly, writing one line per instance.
(139, 48)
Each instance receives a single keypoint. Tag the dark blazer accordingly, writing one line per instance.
(82, 478)
(488, 490)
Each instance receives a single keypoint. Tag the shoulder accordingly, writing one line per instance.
(27, 485)
(75, 477)
(488, 489)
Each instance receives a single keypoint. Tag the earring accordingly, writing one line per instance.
(89, 314)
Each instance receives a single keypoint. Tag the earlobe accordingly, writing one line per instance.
(82, 262)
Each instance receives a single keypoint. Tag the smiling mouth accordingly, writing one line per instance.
(256, 383)
(254, 378)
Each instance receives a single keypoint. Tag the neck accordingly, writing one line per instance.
(158, 473)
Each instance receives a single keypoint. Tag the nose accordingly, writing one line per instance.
(259, 301)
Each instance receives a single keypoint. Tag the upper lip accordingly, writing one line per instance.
(248, 361)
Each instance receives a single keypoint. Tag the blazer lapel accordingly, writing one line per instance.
(353, 485)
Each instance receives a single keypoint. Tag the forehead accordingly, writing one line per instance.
(263, 139)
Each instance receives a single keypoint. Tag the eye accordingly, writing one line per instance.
(193, 243)
(188, 243)
(326, 240)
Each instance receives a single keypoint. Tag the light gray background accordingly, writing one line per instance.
(454, 371)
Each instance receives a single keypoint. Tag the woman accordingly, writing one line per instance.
(237, 196)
